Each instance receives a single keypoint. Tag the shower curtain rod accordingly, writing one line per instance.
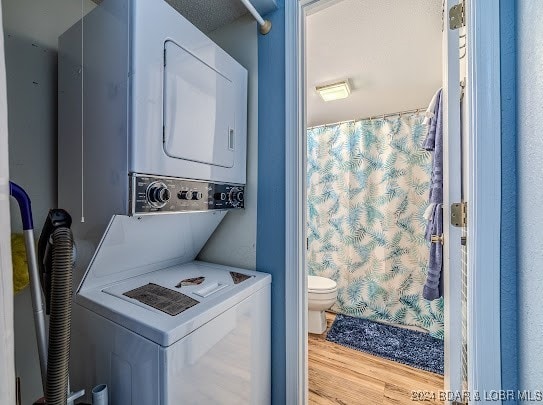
(382, 116)
(265, 25)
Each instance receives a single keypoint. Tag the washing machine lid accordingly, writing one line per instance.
(166, 305)
(132, 246)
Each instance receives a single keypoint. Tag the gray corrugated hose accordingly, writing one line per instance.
(60, 319)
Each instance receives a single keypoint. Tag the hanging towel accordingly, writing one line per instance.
(433, 288)
(429, 212)
(429, 114)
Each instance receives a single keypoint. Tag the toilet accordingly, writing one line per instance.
(321, 295)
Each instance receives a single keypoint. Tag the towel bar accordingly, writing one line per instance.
(437, 239)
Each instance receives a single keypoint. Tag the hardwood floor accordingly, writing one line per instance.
(339, 375)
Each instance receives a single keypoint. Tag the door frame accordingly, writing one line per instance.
(484, 185)
(484, 188)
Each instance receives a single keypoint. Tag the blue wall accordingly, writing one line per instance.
(508, 266)
(270, 232)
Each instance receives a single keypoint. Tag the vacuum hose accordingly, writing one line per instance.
(52, 267)
(56, 390)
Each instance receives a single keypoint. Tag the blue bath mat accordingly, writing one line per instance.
(413, 348)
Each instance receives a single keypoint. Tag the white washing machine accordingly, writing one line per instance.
(160, 328)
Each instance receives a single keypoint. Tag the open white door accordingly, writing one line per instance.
(452, 193)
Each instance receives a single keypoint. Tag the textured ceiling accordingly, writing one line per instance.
(208, 15)
(390, 50)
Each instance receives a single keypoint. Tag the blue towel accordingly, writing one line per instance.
(433, 288)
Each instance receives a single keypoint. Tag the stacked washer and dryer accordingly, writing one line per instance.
(152, 155)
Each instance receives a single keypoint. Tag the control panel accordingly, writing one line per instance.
(157, 194)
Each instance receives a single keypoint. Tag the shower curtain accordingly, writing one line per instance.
(368, 184)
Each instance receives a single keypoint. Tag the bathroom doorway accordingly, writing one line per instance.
(479, 94)
(375, 289)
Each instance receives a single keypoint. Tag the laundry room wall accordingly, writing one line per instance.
(32, 29)
(31, 32)
(234, 242)
(271, 207)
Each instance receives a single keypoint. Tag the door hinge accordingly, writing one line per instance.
(459, 214)
(457, 16)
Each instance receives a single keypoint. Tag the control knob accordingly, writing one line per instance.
(190, 195)
(236, 196)
(158, 194)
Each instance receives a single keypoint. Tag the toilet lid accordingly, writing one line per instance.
(320, 284)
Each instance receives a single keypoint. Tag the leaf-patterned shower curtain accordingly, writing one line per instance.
(368, 184)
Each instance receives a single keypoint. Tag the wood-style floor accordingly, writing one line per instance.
(339, 375)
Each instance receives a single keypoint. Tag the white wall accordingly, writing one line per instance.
(32, 98)
(32, 28)
(7, 387)
(31, 75)
(530, 191)
(44, 20)
(234, 242)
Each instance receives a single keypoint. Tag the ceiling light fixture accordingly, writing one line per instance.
(334, 91)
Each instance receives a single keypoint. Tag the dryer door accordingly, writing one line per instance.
(199, 109)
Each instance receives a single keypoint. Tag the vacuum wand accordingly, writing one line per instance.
(37, 297)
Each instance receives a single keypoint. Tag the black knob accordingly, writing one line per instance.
(190, 195)
(236, 196)
(164, 195)
(158, 194)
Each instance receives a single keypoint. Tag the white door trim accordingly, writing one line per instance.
(452, 193)
(295, 281)
(484, 189)
(484, 212)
